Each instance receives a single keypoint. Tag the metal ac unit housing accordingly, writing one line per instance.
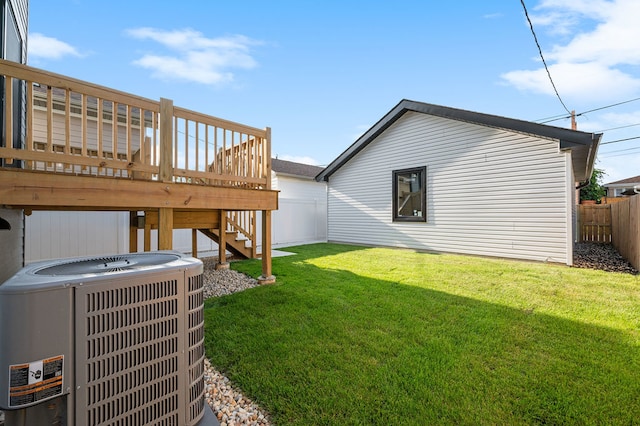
(115, 340)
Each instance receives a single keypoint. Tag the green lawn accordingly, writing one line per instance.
(351, 335)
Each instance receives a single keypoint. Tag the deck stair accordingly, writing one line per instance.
(236, 243)
(239, 236)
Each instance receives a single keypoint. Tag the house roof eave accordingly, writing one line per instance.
(584, 144)
(635, 180)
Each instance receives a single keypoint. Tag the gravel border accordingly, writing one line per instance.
(604, 257)
(228, 402)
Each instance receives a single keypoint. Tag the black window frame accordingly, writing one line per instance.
(397, 217)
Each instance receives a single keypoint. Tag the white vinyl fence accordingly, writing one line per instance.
(59, 234)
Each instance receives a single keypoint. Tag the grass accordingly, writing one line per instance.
(366, 336)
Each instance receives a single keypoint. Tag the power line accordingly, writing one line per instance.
(607, 154)
(618, 128)
(542, 56)
(553, 118)
(609, 106)
(622, 150)
(620, 140)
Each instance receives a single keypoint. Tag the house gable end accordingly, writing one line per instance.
(582, 145)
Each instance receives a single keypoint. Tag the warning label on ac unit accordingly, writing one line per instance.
(35, 381)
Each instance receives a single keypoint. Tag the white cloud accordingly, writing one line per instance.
(615, 41)
(41, 46)
(299, 159)
(562, 16)
(596, 63)
(195, 57)
(588, 81)
(623, 119)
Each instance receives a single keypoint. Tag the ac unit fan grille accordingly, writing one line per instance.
(108, 264)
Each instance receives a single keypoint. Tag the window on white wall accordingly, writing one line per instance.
(410, 195)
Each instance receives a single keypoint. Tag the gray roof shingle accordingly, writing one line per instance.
(295, 169)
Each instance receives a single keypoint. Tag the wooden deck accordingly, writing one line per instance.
(79, 146)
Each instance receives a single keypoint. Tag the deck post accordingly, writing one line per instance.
(165, 215)
(165, 228)
(147, 235)
(194, 243)
(166, 140)
(266, 277)
(222, 242)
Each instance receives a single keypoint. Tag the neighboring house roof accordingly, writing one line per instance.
(631, 185)
(583, 146)
(291, 168)
(632, 180)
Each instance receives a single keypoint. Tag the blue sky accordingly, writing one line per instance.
(320, 73)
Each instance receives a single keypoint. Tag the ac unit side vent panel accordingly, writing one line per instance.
(195, 300)
(129, 331)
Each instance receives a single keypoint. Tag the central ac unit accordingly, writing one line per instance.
(115, 340)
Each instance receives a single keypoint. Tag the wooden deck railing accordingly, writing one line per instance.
(77, 127)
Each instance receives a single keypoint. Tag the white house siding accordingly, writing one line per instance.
(76, 134)
(489, 191)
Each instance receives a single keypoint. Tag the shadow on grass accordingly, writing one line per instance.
(355, 350)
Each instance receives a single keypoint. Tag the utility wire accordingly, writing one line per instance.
(542, 57)
(550, 119)
(553, 118)
(620, 140)
(606, 154)
(609, 106)
(618, 128)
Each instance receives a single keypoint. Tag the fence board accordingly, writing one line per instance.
(625, 224)
(595, 223)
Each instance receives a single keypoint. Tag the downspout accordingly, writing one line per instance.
(583, 184)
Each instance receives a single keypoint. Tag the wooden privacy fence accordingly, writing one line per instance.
(595, 223)
(625, 229)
